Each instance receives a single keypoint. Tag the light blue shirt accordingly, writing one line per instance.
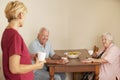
(35, 47)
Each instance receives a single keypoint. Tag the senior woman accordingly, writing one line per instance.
(110, 59)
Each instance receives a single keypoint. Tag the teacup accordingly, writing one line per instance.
(90, 52)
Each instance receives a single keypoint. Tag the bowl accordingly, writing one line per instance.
(72, 54)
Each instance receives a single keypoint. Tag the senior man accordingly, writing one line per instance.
(42, 44)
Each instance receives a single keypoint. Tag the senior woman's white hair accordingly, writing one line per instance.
(108, 36)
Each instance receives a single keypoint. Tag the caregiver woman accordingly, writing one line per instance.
(16, 58)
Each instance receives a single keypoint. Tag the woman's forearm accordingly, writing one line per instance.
(17, 68)
(27, 68)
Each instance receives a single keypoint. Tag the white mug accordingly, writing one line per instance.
(90, 52)
(41, 56)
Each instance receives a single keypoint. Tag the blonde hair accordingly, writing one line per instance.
(13, 9)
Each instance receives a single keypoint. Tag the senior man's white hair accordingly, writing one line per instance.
(43, 29)
(108, 36)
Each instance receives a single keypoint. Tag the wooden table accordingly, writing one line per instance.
(74, 66)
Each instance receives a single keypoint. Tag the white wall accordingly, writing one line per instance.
(72, 23)
(90, 18)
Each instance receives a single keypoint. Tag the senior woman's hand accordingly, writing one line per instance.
(88, 60)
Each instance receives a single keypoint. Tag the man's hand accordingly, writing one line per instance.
(56, 57)
(33, 56)
(61, 61)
